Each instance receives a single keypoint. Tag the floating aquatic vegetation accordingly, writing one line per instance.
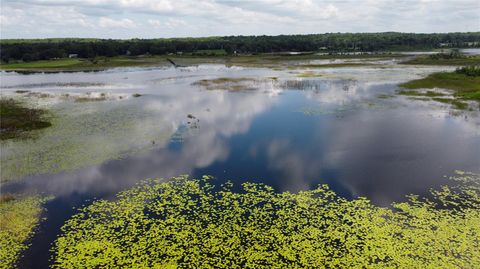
(385, 96)
(55, 84)
(326, 110)
(18, 219)
(83, 134)
(309, 74)
(441, 97)
(234, 84)
(18, 120)
(191, 223)
(417, 93)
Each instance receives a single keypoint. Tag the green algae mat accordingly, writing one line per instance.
(194, 223)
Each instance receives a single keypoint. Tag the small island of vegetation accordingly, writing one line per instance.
(464, 82)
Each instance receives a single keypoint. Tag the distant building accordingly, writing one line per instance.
(73, 55)
(128, 53)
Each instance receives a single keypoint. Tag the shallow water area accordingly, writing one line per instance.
(345, 127)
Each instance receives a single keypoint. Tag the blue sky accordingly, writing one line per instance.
(181, 18)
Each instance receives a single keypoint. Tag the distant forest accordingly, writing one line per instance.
(42, 49)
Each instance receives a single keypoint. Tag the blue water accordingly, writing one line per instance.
(333, 130)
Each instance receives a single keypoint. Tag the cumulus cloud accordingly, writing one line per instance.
(135, 18)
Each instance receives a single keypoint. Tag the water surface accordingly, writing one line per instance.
(345, 127)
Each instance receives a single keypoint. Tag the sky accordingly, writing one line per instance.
(195, 18)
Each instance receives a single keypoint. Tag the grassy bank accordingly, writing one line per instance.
(102, 63)
(465, 87)
(75, 64)
(18, 219)
(17, 120)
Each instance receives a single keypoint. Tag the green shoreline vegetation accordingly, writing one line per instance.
(452, 58)
(18, 218)
(76, 64)
(464, 82)
(102, 63)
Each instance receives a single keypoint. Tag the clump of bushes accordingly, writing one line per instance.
(471, 71)
(453, 54)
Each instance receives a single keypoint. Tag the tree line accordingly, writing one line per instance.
(42, 49)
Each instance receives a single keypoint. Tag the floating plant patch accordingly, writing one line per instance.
(18, 219)
(191, 223)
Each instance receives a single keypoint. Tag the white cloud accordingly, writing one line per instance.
(128, 18)
(169, 23)
(111, 23)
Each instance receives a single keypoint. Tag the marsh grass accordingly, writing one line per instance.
(333, 65)
(16, 120)
(455, 103)
(464, 87)
(429, 60)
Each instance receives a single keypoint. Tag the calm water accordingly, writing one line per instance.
(345, 128)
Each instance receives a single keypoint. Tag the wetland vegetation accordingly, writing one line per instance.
(191, 223)
(464, 82)
(216, 112)
(19, 216)
(17, 120)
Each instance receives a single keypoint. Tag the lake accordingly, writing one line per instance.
(288, 128)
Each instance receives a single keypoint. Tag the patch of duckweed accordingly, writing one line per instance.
(191, 223)
(18, 219)
(84, 134)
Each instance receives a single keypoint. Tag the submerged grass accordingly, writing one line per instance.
(191, 223)
(18, 219)
(16, 120)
